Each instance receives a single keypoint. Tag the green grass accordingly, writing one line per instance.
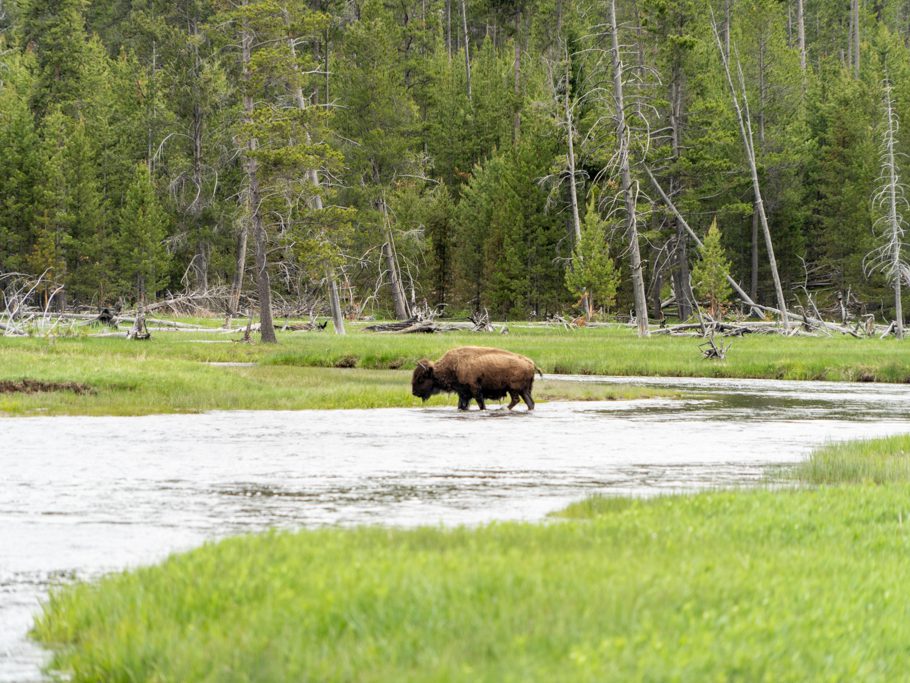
(878, 461)
(147, 382)
(168, 373)
(776, 586)
(617, 351)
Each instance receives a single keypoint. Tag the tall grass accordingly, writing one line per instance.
(878, 461)
(786, 586)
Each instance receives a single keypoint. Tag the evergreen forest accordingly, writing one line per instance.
(530, 158)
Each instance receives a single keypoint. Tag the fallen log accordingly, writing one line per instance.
(12, 330)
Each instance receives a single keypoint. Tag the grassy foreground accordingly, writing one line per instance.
(169, 373)
(795, 585)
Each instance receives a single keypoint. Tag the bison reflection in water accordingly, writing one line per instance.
(477, 372)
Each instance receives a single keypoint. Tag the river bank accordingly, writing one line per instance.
(88, 496)
(173, 372)
(785, 585)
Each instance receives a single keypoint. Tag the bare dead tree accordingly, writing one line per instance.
(744, 119)
(629, 188)
(891, 201)
(399, 300)
(801, 36)
(467, 46)
(266, 327)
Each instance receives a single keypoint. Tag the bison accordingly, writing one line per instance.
(477, 372)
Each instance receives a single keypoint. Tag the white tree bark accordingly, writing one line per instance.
(573, 188)
(399, 301)
(801, 35)
(891, 201)
(266, 327)
(745, 128)
(628, 187)
(467, 45)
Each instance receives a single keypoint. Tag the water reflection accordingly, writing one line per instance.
(83, 496)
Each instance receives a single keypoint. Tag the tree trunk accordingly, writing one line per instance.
(745, 128)
(622, 139)
(467, 45)
(682, 285)
(201, 266)
(327, 98)
(449, 29)
(658, 286)
(240, 260)
(762, 89)
(335, 302)
(753, 284)
(801, 35)
(573, 189)
(266, 327)
(201, 258)
(399, 301)
(895, 220)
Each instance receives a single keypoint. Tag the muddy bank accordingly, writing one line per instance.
(34, 386)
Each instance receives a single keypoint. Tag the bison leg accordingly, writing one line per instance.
(478, 396)
(515, 399)
(463, 400)
(526, 395)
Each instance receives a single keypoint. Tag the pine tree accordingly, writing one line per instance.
(142, 231)
(709, 274)
(20, 163)
(91, 261)
(56, 31)
(53, 221)
(592, 273)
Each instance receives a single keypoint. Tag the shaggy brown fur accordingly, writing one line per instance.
(477, 372)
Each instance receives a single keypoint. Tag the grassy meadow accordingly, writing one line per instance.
(171, 372)
(799, 584)
(808, 582)
(169, 375)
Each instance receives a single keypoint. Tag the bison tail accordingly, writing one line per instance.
(539, 371)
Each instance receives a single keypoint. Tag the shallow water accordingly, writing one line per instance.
(81, 496)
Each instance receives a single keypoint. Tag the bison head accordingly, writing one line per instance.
(423, 384)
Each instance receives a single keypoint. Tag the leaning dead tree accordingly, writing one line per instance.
(744, 119)
(811, 321)
(891, 202)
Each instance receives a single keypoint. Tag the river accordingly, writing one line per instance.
(81, 496)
